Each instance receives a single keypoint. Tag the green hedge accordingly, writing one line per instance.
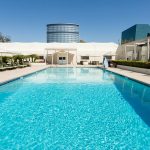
(139, 64)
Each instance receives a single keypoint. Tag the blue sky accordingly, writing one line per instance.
(99, 20)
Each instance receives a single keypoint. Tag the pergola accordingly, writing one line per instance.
(134, 45)
(52, 51)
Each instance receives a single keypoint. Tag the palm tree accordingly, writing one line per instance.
(34, 57)
(18, 58)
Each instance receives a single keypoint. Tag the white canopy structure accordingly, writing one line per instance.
(94, 51)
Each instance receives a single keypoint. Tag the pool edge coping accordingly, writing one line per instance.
(28, 74)
(131, 78)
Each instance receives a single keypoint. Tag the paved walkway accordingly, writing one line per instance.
(9, 75)
(144, 78)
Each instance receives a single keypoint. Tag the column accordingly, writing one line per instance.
(148, 48)
(56, 57)
(1, 60)
(125, 52)
(67, 57)
(52, 58)
(46, 56)
(135, 52)
(76, 57)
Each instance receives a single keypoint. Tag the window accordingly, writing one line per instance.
(41, 57)
(108, 57)
(85, 57)
(62, 58)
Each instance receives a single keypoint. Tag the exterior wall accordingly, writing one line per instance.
(70, 57)
(144, 53)
(136, 32)
(49, 59)
(139, 48)
(55, 59)
(120, 53)
(62, 33)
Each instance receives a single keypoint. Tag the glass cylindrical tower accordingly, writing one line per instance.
(63, 33)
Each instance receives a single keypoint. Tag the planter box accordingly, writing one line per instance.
(135, 69)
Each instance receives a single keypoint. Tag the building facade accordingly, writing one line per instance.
(135, 43)
(134, 33)
(62, 33)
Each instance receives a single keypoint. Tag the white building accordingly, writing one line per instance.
(64, 53)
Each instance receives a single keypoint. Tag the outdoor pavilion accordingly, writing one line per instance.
(61, 56)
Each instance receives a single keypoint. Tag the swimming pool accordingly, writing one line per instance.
(74, 108)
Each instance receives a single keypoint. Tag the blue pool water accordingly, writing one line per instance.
(74, 108)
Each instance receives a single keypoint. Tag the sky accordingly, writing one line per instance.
(99, 20)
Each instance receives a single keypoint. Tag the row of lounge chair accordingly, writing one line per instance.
(13, 67)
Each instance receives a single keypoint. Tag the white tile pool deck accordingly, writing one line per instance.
(143, 78)
(9, 75)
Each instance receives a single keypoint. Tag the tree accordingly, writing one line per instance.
(4, 38)
(82, 41)
(1, 37)
(7, 39)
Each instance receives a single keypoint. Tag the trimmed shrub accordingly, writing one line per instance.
(140, 64)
